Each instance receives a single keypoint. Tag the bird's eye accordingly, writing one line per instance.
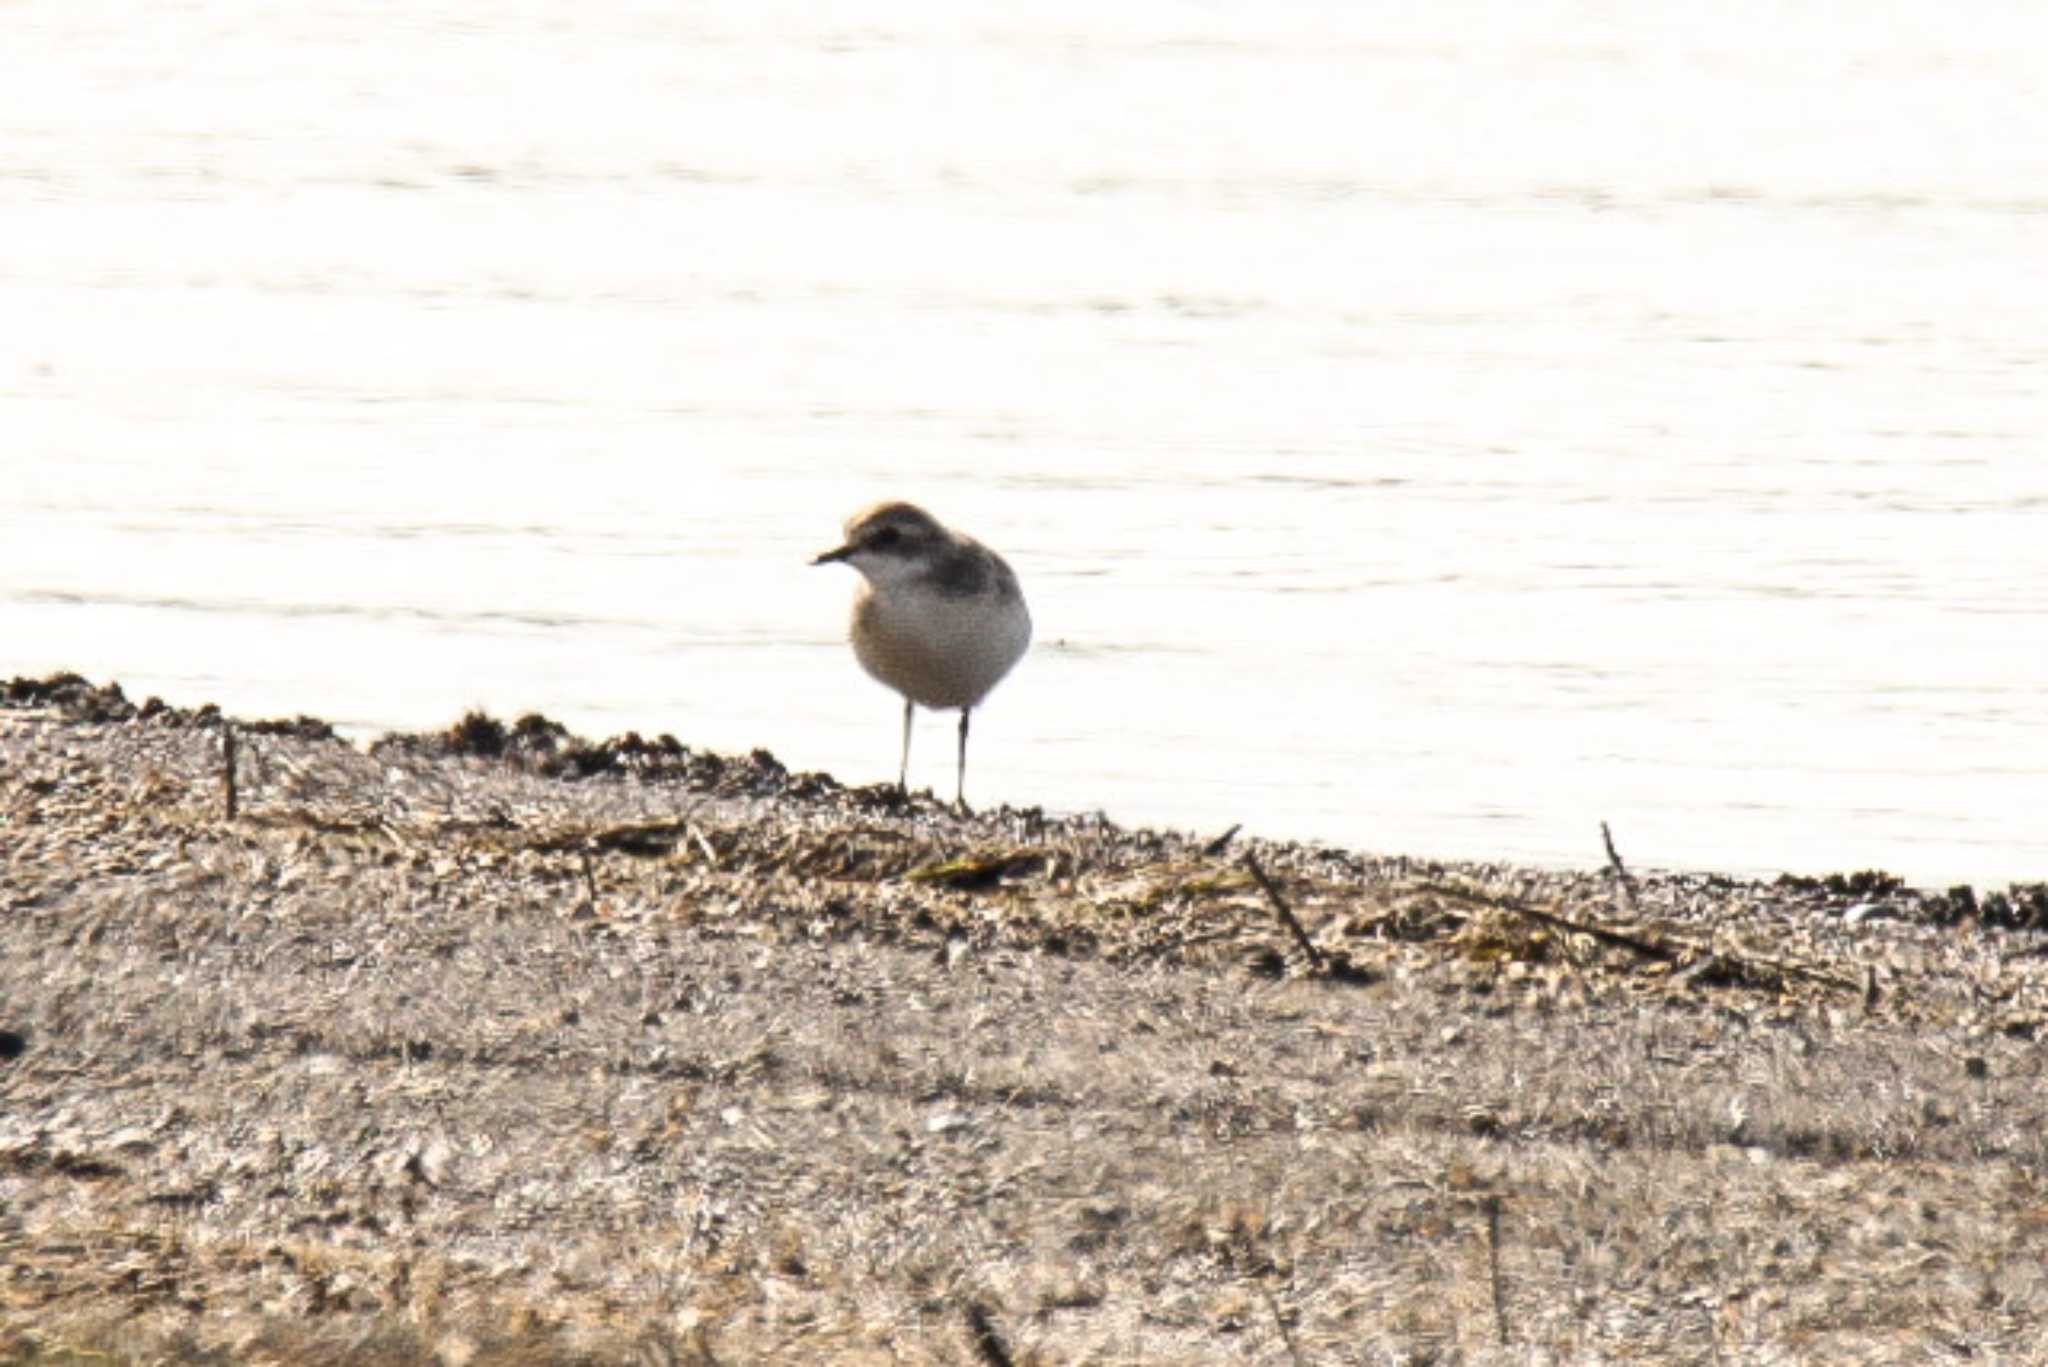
(885, 538)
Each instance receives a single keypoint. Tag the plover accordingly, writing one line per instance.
(937, 616)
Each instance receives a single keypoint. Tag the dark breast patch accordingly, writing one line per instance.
(959, 572)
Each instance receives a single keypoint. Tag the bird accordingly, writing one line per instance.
(937, 616)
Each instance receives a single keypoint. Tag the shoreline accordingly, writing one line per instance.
(495, 1045)
(537, 742)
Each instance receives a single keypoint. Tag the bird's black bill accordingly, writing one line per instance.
(829, 556)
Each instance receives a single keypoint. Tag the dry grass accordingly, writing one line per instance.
(439, 1058)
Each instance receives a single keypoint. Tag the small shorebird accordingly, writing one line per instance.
(937, 616)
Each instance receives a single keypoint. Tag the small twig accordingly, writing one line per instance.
(589, 878)
(1222, 842)
(1749, 967)
(1628, 884)
(1500, 1298)
(227, 766)
(1308, 946)
(1647, 948)
(988, 1340)
(1286, 1334)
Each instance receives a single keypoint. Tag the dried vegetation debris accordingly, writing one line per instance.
(499, 1045)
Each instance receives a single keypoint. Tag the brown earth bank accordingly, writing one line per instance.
(499, 1046)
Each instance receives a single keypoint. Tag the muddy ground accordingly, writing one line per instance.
(496, 1046)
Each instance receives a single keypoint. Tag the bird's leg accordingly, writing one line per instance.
(960, 778)
(903, 771)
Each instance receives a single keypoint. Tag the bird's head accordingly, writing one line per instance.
(889, 541)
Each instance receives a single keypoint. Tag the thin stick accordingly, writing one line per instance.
(1649, 949)
(1628, 884)
(1217, 846)
(227, 765)
(1749, 966)
(589, 879)
(1308, 946)
(1286, 1334)
(988, 1340)
(1500, 1298)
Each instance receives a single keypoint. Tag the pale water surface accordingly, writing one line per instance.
(1435, 429)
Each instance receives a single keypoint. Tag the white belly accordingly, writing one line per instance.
(941, 651)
